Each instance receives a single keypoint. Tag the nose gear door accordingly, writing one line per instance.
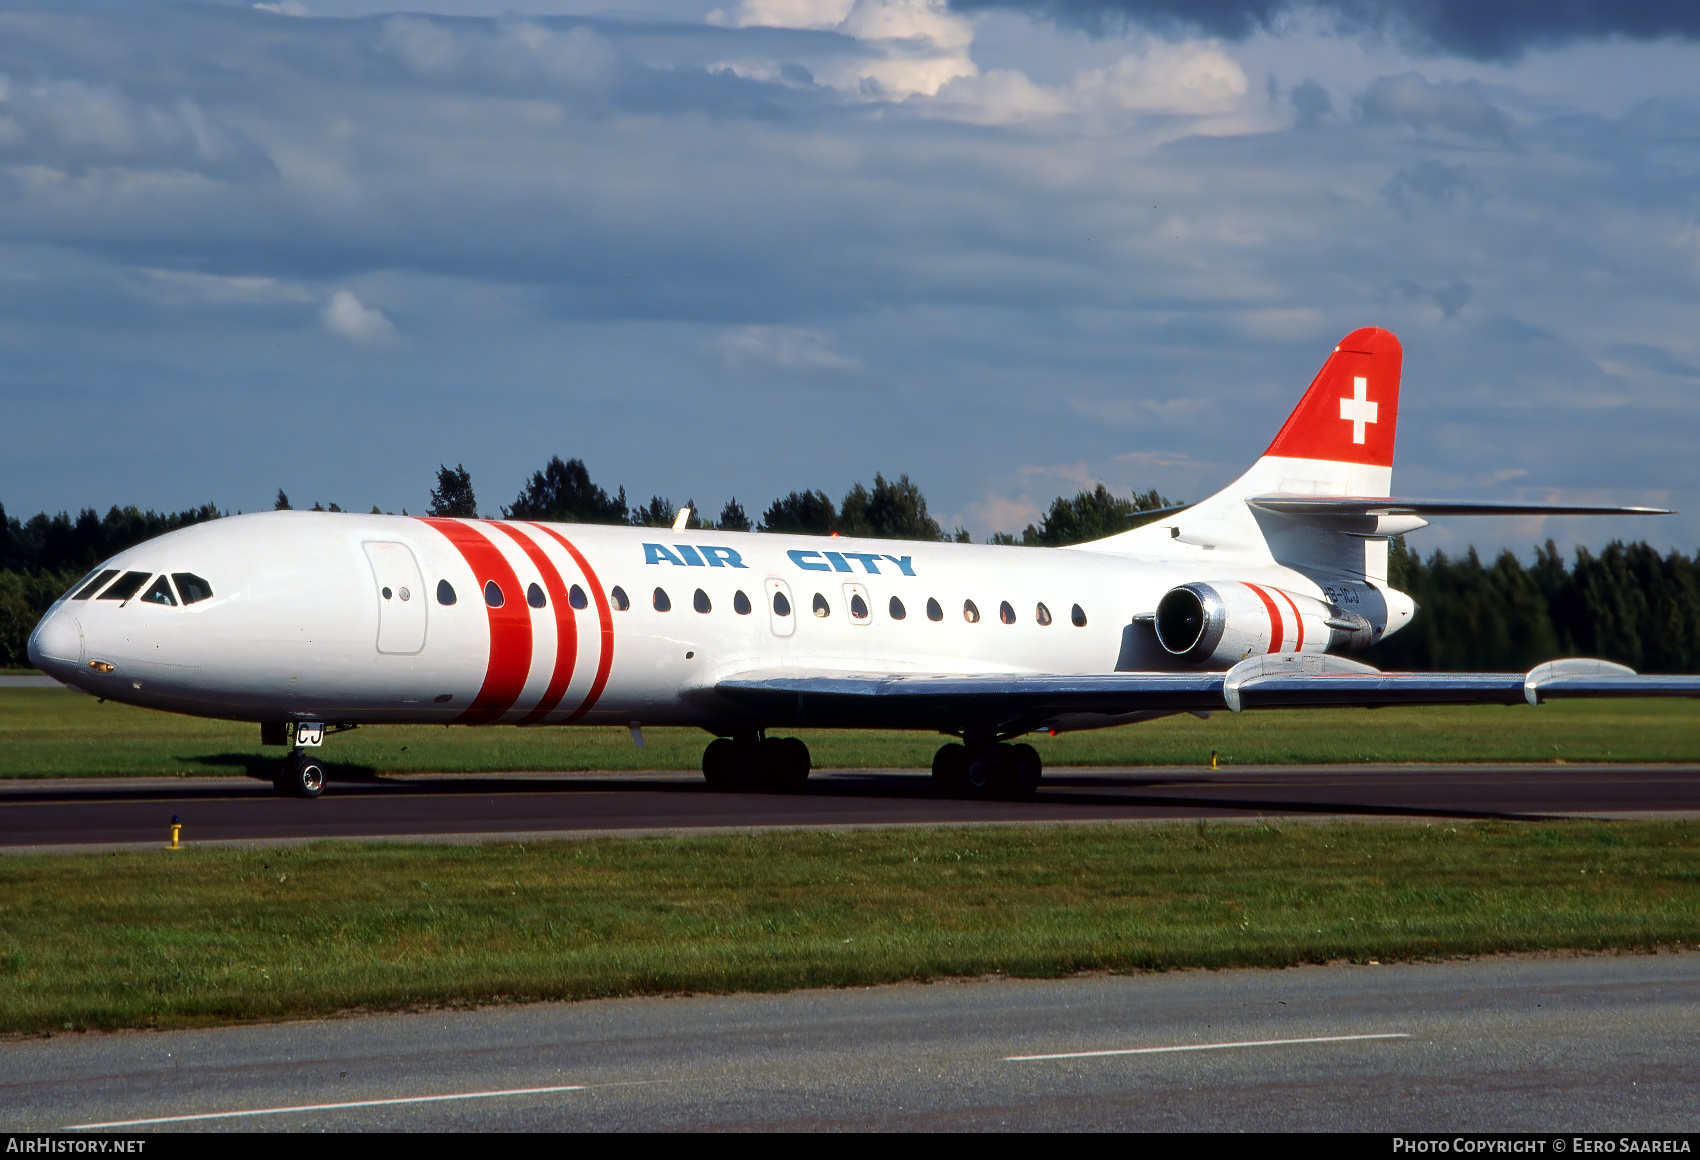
(401, 597)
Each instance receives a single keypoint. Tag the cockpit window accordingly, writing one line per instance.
(94, 585)
(191, 587)
(128, 585)
(160, 593)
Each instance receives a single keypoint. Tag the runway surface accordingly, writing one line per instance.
(1531, 1044)
(92, 813)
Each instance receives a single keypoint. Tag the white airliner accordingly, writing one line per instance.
(296, 620)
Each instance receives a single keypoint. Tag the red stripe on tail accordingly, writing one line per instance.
(510, 625)
(603, 612)
(566, 626)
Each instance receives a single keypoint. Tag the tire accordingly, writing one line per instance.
(719, 764)
(950, 770)
(784, 764)
(980, 775)
(301, 776)
(1026, 769)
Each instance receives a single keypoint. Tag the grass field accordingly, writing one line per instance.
(201, 936)
(59, 733)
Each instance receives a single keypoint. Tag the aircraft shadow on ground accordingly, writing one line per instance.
(264, 765)
(1079, 796)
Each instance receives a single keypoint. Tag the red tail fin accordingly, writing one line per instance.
(1350, 412)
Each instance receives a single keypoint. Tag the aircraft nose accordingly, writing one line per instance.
(56, 645)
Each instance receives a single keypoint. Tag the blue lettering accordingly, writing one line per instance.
(723, 557)
(797, 558)
(868, 560)
(657, 554)
(839, 563)
(690, 555)
(902, 563)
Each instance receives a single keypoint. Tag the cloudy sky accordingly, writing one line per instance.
(741, 247)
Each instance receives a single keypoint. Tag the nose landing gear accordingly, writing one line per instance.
(752, 763)
(300, 776)
(987, 770)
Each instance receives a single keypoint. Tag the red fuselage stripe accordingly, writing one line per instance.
(603, 612)
(566, 626)
(1298, 621)
(510, 625)
(1274, 618)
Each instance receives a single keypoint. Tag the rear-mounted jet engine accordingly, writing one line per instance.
(1225, 621)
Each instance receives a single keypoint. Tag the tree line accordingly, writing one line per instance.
(1627, 603)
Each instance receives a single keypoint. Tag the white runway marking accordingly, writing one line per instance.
(332, 1107)
(1205, 1046)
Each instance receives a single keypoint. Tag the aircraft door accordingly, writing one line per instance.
(781, 610)
(401, 597)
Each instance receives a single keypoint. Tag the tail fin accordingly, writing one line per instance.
(1337, 442)
(1340, 436)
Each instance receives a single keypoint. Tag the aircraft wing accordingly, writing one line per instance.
(1268, 682)
(1327, 505)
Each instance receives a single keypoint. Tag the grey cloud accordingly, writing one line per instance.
(1432, 181)
(1412, 99)
(1311, 103)
(1469, 28)
(74, 125)
(1653, 358)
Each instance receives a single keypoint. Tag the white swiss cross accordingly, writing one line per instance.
(1358, 408)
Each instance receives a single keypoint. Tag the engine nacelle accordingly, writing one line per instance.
(1225, 621)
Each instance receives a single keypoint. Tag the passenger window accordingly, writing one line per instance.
(534, 596)
(822, 608)
(896, 609)
(493, 594)
(662, 604)
(620, 599)
(970, 613)
(1006, 613)
(740, 603)
(94, 585)
(160, 593)
(576, 597)
(1042, 614)
(858, 607)
(1078, 615)
(700, 602)
(386, 593)
(191, 587)
(781, 606)
(934, 612)
(445, 593)
(128, 585)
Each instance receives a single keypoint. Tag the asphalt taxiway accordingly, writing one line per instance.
(91, 813)
(1536, 1044)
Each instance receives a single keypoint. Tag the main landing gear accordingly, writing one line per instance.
(750, 762)
(986, 770)
(301, 776)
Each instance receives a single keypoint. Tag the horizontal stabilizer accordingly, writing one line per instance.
(1345, 506)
